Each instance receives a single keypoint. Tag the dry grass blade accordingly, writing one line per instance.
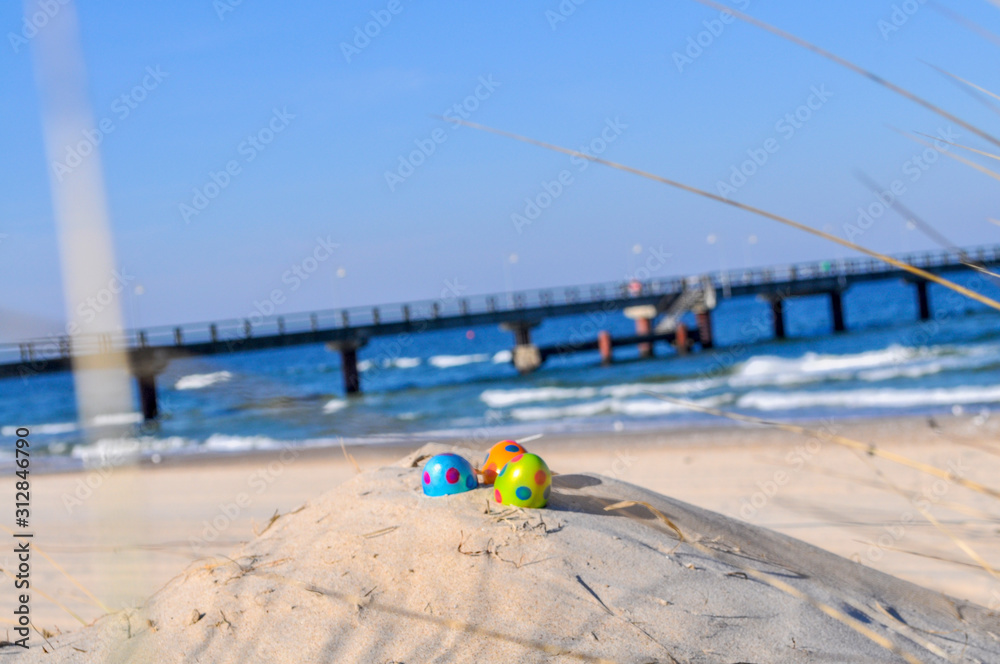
(962, 80)
(741, 206)
(968, 162)
(924, 227)
(62, 570)
(966, 23)
(380, 532)
(833, 612)
(349, 457)
(62, 606)
(457, 625)
(853, 67)
(850, 443)
(901, 628)
(959, 145)
(960, 543)
(659, 515)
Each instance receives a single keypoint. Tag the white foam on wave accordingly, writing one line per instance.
(334, 405)
(895, 361)
(448, 361)
(111, 452)
(630, 407)
(224, 443)
(869, 398)
(113, 419)
(507, 398)
(774, 370)
(390, 362)
(502, 357)
(50, 429)
(200, 381)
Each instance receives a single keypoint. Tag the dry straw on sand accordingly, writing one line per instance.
(374, 571)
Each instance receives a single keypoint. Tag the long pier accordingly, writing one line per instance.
(148, 351)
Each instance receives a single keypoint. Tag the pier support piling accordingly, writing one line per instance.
(604, 347)
(681, 340)
(643, 315)
(704, 320)
(527, 357)
(349, 369)
(923, 300)
(349, 362)
(778, 313)
(837, 309)
(147, 396)
(643, 327)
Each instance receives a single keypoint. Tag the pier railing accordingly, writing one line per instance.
(454, 305)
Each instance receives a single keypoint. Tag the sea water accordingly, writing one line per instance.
(461, 384)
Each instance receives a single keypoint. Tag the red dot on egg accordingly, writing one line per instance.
(540, 477)
(452, 475)
(496, 494)
(517, 458)
(427, 478)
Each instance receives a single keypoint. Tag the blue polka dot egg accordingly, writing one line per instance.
(446, 474)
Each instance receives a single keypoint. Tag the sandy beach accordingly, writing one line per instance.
(123, 533)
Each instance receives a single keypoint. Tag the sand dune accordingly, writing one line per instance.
(373, 571)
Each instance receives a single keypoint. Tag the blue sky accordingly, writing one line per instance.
(346, 119)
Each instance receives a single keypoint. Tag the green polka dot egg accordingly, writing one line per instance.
(524, 481)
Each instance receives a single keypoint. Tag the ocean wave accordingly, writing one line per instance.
(199, 381)
(502, 357)
(41, 429)
(630, 407)
(448, 361)
(894, 361)
(391, 363)
(334, 405)
(225, 443)
(869, 398)
(773, 370)
(507, 398)
(113, 419)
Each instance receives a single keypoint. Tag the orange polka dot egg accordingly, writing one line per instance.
(524, 482)
(497, 457)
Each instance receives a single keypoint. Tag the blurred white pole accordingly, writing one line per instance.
(88, 262)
